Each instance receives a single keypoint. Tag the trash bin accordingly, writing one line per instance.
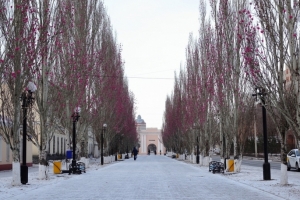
(56, 167)
(69, 154)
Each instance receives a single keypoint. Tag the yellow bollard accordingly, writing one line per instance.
(230, 165)
(56, 167)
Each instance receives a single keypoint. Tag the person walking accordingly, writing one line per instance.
(134, 152)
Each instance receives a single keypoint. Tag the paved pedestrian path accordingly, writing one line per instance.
(149, 177)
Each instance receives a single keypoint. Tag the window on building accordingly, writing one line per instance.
(21, 149)
(64, 146)
(7, 152)
(61, 145)
(53, 151)
(57, 150)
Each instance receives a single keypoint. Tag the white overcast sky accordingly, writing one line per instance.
(154, 35)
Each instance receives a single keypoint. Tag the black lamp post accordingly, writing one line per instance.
(127, 150)
(117, 145)
(197, 142)
(102, 141)
(75, 117)
(197, 157)
(260, 92)
(27, 100)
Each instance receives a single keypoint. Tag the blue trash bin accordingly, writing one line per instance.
(69, 154)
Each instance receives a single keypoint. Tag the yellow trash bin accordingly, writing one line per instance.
(119, 156)
(56, 167)
(230, 165)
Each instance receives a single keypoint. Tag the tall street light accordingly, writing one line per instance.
(102, 141)
(260, 92)
(27, 100)
(197, 141)
(117, 145)
(127, 151)
(75, 117)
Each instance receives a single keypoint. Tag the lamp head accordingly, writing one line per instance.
(31, 86)
(77, 110)
(76, 115)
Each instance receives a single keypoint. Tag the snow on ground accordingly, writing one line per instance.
(251, 176)
(34, 182)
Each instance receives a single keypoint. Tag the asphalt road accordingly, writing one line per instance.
(259, 163)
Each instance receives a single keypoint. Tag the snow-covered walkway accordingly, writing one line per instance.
(149, 177)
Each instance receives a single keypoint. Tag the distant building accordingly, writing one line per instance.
(150, 139)
(6, 123)
(6, 158)
(140, 123)
(287, 77)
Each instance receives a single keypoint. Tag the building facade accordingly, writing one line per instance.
(6, 158)
(150, 139)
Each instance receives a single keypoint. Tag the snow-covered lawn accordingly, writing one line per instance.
(253, 176)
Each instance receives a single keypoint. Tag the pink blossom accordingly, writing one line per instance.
(13, 74)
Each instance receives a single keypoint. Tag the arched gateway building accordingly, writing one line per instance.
(149, 138)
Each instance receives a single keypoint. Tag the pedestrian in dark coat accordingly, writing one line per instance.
(134, 152)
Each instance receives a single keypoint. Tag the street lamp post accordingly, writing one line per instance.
(75, 117)
(197, 157)
(117, 145)
(102, 141)
(266, 166)
(197, 142)
(127, 150)
(27, 100)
